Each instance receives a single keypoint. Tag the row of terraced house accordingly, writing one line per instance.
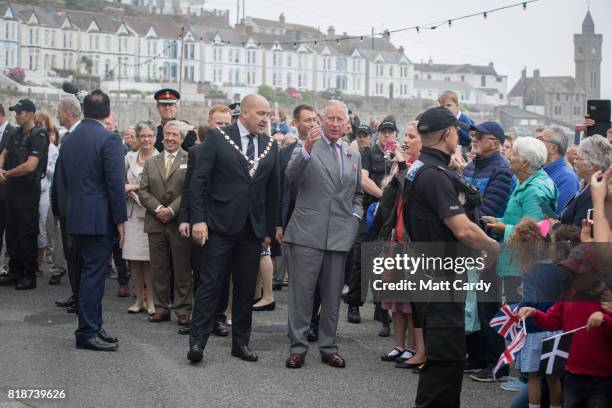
(147, 49)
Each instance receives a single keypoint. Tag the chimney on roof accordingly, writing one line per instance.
(401, 49)
(524, 73)
(248, 29)
(281, 18)
(430, 62)
(491, 64)
(345, 34)
(331, 31)
(536, 73)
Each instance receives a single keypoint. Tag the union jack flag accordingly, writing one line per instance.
(509, 354)
(506, 322)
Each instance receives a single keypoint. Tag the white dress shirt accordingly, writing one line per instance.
(244, 140)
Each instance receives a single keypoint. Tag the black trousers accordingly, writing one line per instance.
(441, 378)
(486, 345)
(197, 260)
(2, 220)
(72, 259)
(238, 254)
(353, 297)
(21, 241)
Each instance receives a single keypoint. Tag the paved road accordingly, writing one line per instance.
(151, 370)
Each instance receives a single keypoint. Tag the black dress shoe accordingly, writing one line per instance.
(353, 315)
(277, 287)
(184, 330)
(71, 309)
(312, 336)
(66, 302)
(6, 279)
(96, 344)
(104, 336)
(244, 353)
(265, 308)
(55, 280)
(26, 284)
(195, 354)
(220, 329)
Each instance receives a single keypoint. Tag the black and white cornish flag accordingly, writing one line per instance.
(555, 351)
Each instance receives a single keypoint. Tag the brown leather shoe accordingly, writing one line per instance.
(159, 317)
(295, 360)
(334, 360)
(124, 290)
(183, 320)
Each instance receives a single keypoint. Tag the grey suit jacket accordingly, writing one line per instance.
(326, 209)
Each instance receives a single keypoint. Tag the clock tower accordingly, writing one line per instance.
(587, 55)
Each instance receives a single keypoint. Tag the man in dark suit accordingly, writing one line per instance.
(6, 132)
(91, 161)
(166, 106)
(219, 326)
(234, 207)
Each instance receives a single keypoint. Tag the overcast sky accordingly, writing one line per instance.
(540, 37)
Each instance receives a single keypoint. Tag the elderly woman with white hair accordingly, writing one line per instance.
(535, 196)
(594, 154)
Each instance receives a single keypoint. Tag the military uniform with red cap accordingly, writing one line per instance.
(169, 96)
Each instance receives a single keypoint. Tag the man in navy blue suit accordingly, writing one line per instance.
(93, 175)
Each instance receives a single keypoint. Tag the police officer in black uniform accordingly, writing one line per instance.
(166, 106)
(22, 165)
(376, 164)
(437, 205)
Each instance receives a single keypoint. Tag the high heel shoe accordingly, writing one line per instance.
(265, 308)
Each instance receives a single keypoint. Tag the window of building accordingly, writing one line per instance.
(483, 81)
(593, 80)
(289, 60)
(230, 55)
(391, 72)
(577, 111)
(498, 79)
(557, 110)
(379, 70)
(577, 98)
(428, 76)
(341, 65)
(447, 79)
(356, 65)
(567, 98)
(462, 78)
(237, 56)
(276, 59)
(276, 79)
(289, 80)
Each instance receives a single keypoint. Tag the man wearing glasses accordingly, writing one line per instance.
(166, 106)
(490, 173)
(562, 175)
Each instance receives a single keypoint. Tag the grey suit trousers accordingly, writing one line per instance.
(306, 267)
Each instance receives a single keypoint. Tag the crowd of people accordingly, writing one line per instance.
(206, 222)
